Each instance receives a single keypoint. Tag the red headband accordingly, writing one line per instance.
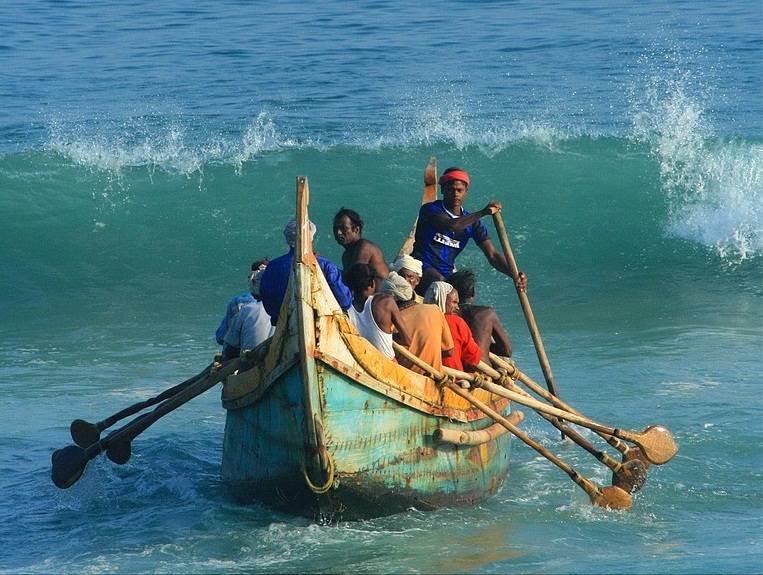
(454, 175)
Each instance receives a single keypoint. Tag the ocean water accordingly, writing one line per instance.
(148, 153)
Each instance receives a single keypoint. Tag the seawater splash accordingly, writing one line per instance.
(713, 186)
(448, 116)
(261, 136)
(163, 144)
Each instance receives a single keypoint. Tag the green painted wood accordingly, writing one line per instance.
(384, 455)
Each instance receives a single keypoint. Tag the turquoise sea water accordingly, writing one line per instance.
(148, 154)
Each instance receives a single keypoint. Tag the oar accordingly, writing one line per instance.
(429, 195)
(629, 475)
(629, 453)
(610, 497)
(69, 463)
(85, 433)
(525, 302)
(655, 441)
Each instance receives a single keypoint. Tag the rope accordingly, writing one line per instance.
(320, 490)
(506, 379)
(480, 380)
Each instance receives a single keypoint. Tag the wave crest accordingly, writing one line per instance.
(712, 186)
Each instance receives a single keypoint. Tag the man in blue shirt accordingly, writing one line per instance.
(444, 228)
(275, 278)
(239, 301)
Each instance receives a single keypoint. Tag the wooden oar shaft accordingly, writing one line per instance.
(143, 422)
(602, 456)
(525, 303)
(415, 360)
(656, 442)
(537, 388)
(585, 484)
(612, 497)
(502, 391)
(140, 406)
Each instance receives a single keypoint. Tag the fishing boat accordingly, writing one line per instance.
(322, 424)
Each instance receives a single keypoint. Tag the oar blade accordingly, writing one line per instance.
(657, 444)
(119, 452)
(84, 433)
(612, 497)
(67, 465)
(631, 476)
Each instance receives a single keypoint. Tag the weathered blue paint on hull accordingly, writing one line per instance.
(384, 456)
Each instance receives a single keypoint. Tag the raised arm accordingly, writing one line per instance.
(446, 223)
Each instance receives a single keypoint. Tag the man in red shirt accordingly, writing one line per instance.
(466, 352)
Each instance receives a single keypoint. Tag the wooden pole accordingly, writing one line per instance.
(628, 452)
(525, 302)
(429, 195)
(610, 497)
(655, 441)
(629, 475)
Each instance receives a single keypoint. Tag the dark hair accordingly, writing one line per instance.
(353, 216)
(359, 277)
(463, 281)
(256, 265)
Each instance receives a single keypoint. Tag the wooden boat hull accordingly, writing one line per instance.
(384, 454)
(324, 425)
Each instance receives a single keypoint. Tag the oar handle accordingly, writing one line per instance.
(525, 303)
(421, 364)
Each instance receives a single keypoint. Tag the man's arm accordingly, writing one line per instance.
(498, 261)
(494, 257)
(446, 223)
(372, 254)
(403, 337)
(501, 344)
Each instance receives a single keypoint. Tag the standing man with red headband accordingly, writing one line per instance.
(444, 228)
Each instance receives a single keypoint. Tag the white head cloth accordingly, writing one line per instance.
(409, 263)
(437, 293)
(290, 232)
(254, 279)
(397, 286)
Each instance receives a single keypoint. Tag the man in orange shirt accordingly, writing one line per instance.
(428, 331)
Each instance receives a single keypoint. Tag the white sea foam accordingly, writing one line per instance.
(171, 147)
(713, 187)
(176, 145)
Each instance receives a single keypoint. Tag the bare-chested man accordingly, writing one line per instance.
(376, 315)
(348, 232)
(486, 327)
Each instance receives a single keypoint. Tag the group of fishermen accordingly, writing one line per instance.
(423, 303)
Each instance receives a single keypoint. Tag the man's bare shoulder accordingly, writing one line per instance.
(367, 246)
(479, 312)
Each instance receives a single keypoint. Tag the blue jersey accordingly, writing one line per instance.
(438, 248)
(275, 279)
